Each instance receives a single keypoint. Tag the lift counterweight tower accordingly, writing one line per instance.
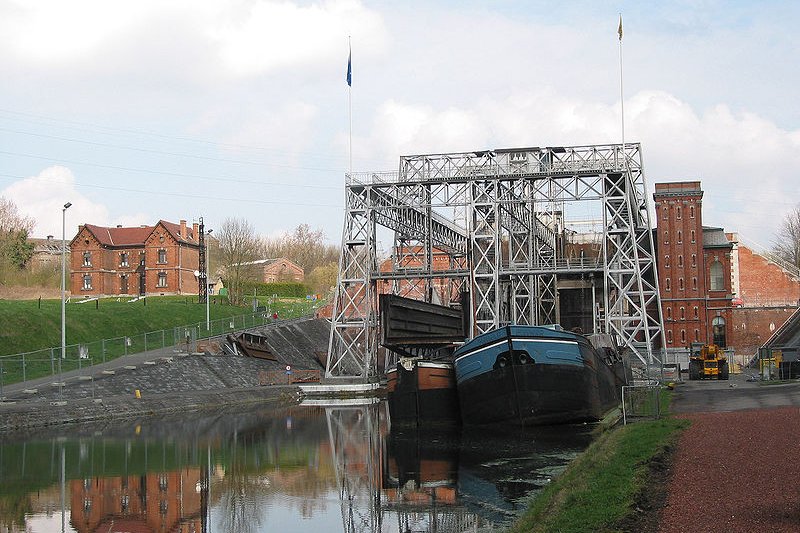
(493, 223)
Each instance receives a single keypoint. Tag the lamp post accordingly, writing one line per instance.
(208, 262)
(63, 287)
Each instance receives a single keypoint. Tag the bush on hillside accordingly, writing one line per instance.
(286, 289)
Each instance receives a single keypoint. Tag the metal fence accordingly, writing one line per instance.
(50, 362)
(641, 402)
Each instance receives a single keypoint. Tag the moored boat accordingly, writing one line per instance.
(533, 375)
(253, 345)
(422, 393)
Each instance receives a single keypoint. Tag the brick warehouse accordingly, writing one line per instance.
(713, 288)
(160, 259)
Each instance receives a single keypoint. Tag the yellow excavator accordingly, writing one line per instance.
(708, 361)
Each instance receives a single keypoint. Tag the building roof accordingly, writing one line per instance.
(715, 238)
(120, 237)
(677, 188)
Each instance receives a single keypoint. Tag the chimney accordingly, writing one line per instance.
(49, 238)
(183, 229)
(119, 225)
(194, 231)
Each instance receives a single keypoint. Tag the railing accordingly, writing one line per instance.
(641, 402)
(49, 361)
(287, 377)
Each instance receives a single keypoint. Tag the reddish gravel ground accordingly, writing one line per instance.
(736, 472)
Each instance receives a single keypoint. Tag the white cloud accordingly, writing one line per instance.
(43, 197)
(747, 165)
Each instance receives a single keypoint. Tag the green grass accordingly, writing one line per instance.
(599, 489)
(28, 326)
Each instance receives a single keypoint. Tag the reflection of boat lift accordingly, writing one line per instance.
(358, 448)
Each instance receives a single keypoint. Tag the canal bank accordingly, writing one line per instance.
(143, 387)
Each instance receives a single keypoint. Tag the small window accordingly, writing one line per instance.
(123, 259)
(693, 240)
(683, 313)
(680, 237)
(694, 260)
(666, 237)
(666, 261)
(669, 337)
(680, 284)
(87, 259)
(680, 261)
(87, 282)
(678, 216)
(683, 336)
(666, 213)
(691, 211)
(694, 284)
(697, 335)
(162, 256)
(141, 258)
(669, 313)
(667, 284)
(162, 280)
(695, 313)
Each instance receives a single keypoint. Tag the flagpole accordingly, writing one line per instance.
(621, 90)
(350, 99)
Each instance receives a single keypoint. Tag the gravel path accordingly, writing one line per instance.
(736, 470)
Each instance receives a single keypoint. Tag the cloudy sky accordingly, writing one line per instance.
(148, 110)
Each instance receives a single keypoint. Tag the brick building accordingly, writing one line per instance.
(280, 269)
(713, 288)
(694, 268)
(160, 259)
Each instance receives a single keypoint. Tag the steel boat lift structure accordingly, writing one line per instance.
(490, 223)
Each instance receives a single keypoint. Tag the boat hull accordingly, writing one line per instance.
(423, 393)
(526, 375)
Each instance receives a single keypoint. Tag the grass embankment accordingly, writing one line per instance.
(31, 325)
(601, 489)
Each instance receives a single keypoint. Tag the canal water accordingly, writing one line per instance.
(308, 468)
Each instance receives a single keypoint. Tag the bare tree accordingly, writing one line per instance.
(304, 246)
(787, 240)
(238, 247)
(12, 220)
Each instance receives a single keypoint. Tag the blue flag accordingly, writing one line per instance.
(349, 69)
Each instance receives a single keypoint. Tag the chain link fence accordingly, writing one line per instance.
(51, 362)
(641, 402)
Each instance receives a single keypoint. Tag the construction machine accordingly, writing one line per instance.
(708, 361)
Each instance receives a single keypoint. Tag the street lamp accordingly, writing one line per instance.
(63, 285)
(208, 317)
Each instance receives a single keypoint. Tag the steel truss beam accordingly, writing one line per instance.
(491, 222)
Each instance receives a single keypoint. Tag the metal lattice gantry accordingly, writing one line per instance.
(492, 223)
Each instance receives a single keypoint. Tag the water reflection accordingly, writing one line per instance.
(335, 467)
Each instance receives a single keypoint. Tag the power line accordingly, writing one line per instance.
(167, 173)
(246, 199)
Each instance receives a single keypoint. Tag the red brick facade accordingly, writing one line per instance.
(160, 259)
(762, 283)
(714, 289)
(694, 268)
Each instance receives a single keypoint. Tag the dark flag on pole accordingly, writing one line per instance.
(349, 69)
(619, 32)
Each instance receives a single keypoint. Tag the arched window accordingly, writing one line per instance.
(666, 261)
(693, 237)
(683, 313)
(697, 335)
(691, 211)
(695, 312)
(694, 284)
(717, 279)
(669, 313)
(679, 213)
(680, 260)
(718, 331)
(683, 336)
(680, 283)
(667, 284)
(669, 336)
(680, 236)
(694, 260)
